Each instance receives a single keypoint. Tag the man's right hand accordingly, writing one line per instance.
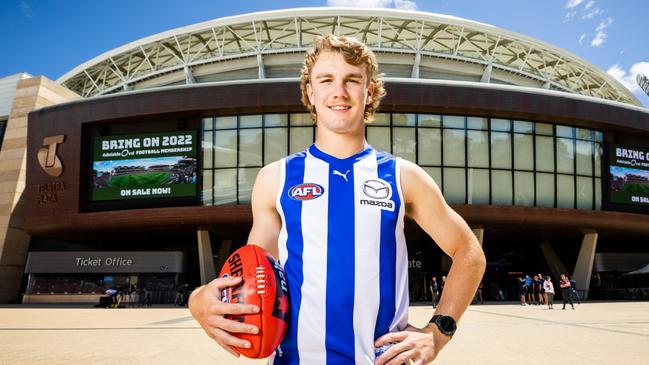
(207, 308)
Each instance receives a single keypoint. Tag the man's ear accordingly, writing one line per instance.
(370, 92)
(309, 93)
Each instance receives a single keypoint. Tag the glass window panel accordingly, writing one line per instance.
(503, 125)
(565, 131)
(430, 120)
(586, 134)
(207, 148)
(545, 190)
(584, 158)
(477, 123)
(501, 187)
(478, 186)
(408, 120)
(523, 188)
(565, 156)
(453, 147)
(598, 159)
(544, 154)
(454, 121)
(599, 137)
(207, 187)
(225, 148)
(250, 147)
(521, 126)
(478, 149)
(523, 152)
(404, 143)
(225, 186)
(598, 194)
(430, 146)
(379, 138)
(381, 119)
(301, 138)
(501, 150)
(246, 180)
(250, 121)
(301, 119)
(276, 120)
(208, 124)
(454, 186)
(565, 191)
(225, 122)
(275, 144)
(435, 173)
(584, 192)
(543, 129)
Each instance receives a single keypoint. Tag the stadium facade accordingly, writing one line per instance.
(145, 179)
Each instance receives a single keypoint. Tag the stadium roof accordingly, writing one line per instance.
(408, 44)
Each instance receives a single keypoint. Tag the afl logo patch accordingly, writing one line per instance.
(306, 191)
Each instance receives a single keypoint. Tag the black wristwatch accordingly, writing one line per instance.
(445, 324)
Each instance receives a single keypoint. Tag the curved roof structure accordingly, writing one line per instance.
(408, 44)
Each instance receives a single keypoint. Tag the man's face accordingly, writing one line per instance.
(339, 92)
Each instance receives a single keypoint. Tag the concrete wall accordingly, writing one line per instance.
(31, 94)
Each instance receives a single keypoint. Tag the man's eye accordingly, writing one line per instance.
(353, 81)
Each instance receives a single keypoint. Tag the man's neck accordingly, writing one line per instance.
(341, 146)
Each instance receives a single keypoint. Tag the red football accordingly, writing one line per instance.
(264, 284)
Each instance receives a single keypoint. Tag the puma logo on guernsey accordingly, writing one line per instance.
(336, 172)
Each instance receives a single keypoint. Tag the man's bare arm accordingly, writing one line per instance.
(205, 302)
(426, 205)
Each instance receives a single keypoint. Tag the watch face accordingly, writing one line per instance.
(447, 324)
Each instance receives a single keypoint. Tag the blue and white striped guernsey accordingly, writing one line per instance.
(343, 249)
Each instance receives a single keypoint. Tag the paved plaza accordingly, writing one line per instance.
(594, 333)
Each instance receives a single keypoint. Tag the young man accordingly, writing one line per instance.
(343, 248)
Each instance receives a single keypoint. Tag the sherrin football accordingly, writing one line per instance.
(264, 284)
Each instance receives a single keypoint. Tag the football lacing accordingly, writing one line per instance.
(261, 280)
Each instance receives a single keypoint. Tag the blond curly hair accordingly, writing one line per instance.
(355, 53)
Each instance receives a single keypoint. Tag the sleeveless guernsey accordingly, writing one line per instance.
(343, 249)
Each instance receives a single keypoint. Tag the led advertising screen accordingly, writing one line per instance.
(144, 166)
(629, 175)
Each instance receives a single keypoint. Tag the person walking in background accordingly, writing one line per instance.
(522, 290)
(529, 291)
(478, 294)
(434, 291)
(548, 288)
(566, 291)
(573, 289)
(536, 290)
(441, 286)
(540, 282)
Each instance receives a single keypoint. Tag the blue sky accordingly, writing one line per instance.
(48, 37)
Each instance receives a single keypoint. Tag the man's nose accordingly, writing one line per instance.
(340, 89)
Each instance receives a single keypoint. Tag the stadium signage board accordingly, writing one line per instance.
(629, 175)
(151, 165)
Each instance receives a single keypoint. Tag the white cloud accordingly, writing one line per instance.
(573, 3)
(589, 5)
(604, 24)
(581, 39)
(628, 79)
(405, 4)
(593, 13)
(396, 4)
(569, 15)
(599, 39)
(26, 9)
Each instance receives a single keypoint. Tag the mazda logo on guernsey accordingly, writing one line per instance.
(376, 189)
(305, 191)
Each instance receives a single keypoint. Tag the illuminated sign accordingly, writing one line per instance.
(153, 165)
(629, 175)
